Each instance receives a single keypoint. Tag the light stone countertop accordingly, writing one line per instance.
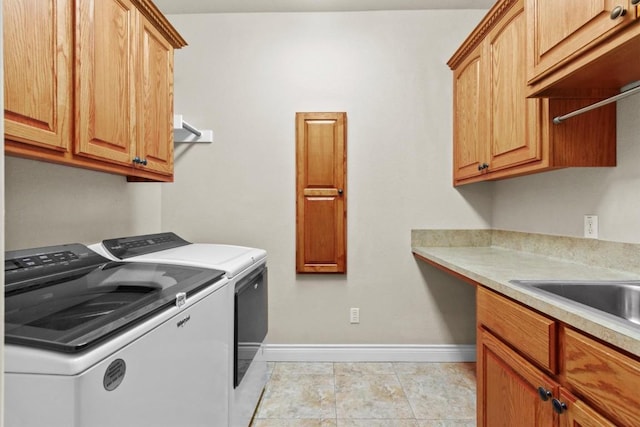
(479, 259)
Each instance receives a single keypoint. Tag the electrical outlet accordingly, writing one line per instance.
(591, 226)
(354, 315)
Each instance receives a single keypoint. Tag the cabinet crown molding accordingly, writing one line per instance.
(152, 13)
(478, 34)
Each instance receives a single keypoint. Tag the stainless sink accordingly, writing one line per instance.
(619, 298)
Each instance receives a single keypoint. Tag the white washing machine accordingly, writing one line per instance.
(246, 269)
(96, 343)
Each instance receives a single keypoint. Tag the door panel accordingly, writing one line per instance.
(508, 387)
(513, 133)
(37, 72)
(107, 52)
(321, 193)
(156, 102)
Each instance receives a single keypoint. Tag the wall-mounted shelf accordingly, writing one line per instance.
(184, 132)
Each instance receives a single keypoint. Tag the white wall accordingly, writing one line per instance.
(48, 204)
(556, 202)
(245, 76)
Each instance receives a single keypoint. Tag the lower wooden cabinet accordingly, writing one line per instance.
(596, 384)
(508, 387)
(578, 414)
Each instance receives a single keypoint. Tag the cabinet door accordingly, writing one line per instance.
(106, 66)
(155, 102)
(508, 388)
(563, 29)
(37, 72)
(514, 134)
(578, 414)
(321, 206)
(469, 137)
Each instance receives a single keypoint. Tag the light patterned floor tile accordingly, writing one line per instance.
(295, 423)
(298, 396)
(377, 423)
(298, 368)
(371, 396)
(440, 396)
(447, 423)
(368, 395)
(363, 368)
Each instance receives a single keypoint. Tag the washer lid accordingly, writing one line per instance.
(74, 311)
(229, 258)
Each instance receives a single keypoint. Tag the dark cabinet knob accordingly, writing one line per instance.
(544, 393)
(483, 166)
(558, 406)
(340, 191)
(617, 12)
(137, 160)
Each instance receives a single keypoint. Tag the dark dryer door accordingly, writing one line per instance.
(82, 303)
(251, 320)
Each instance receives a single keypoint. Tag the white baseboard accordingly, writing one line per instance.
(368, 353)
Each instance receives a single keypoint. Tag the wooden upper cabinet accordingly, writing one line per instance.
(321, 193)
(89, 83)
(498, 131)
(513, 119)
(155, 103)
(578, 46)
(107, 51)
(562, 29)
(37, 74)
(469, 108)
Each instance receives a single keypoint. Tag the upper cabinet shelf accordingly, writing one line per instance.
(112, 61)
(578, 46)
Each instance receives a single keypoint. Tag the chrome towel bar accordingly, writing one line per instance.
(628, 90)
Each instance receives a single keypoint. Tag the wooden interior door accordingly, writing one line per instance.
(321, 225)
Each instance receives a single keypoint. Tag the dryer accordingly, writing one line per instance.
(246, 269)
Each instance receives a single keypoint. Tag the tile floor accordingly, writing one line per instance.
(368, 395)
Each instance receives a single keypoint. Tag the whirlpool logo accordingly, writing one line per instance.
(183, 322)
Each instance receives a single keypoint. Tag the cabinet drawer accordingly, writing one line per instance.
(531, 333)
(603, 376)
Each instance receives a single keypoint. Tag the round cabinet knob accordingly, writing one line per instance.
(544, 393)
(617, 12)
(558, 406)
(483, 166)
(137, 160)
(340, 191)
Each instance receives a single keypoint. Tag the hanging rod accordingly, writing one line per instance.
(184, 132)
(191, 129)
(628, 90)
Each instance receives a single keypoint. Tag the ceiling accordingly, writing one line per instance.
(246, 6)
